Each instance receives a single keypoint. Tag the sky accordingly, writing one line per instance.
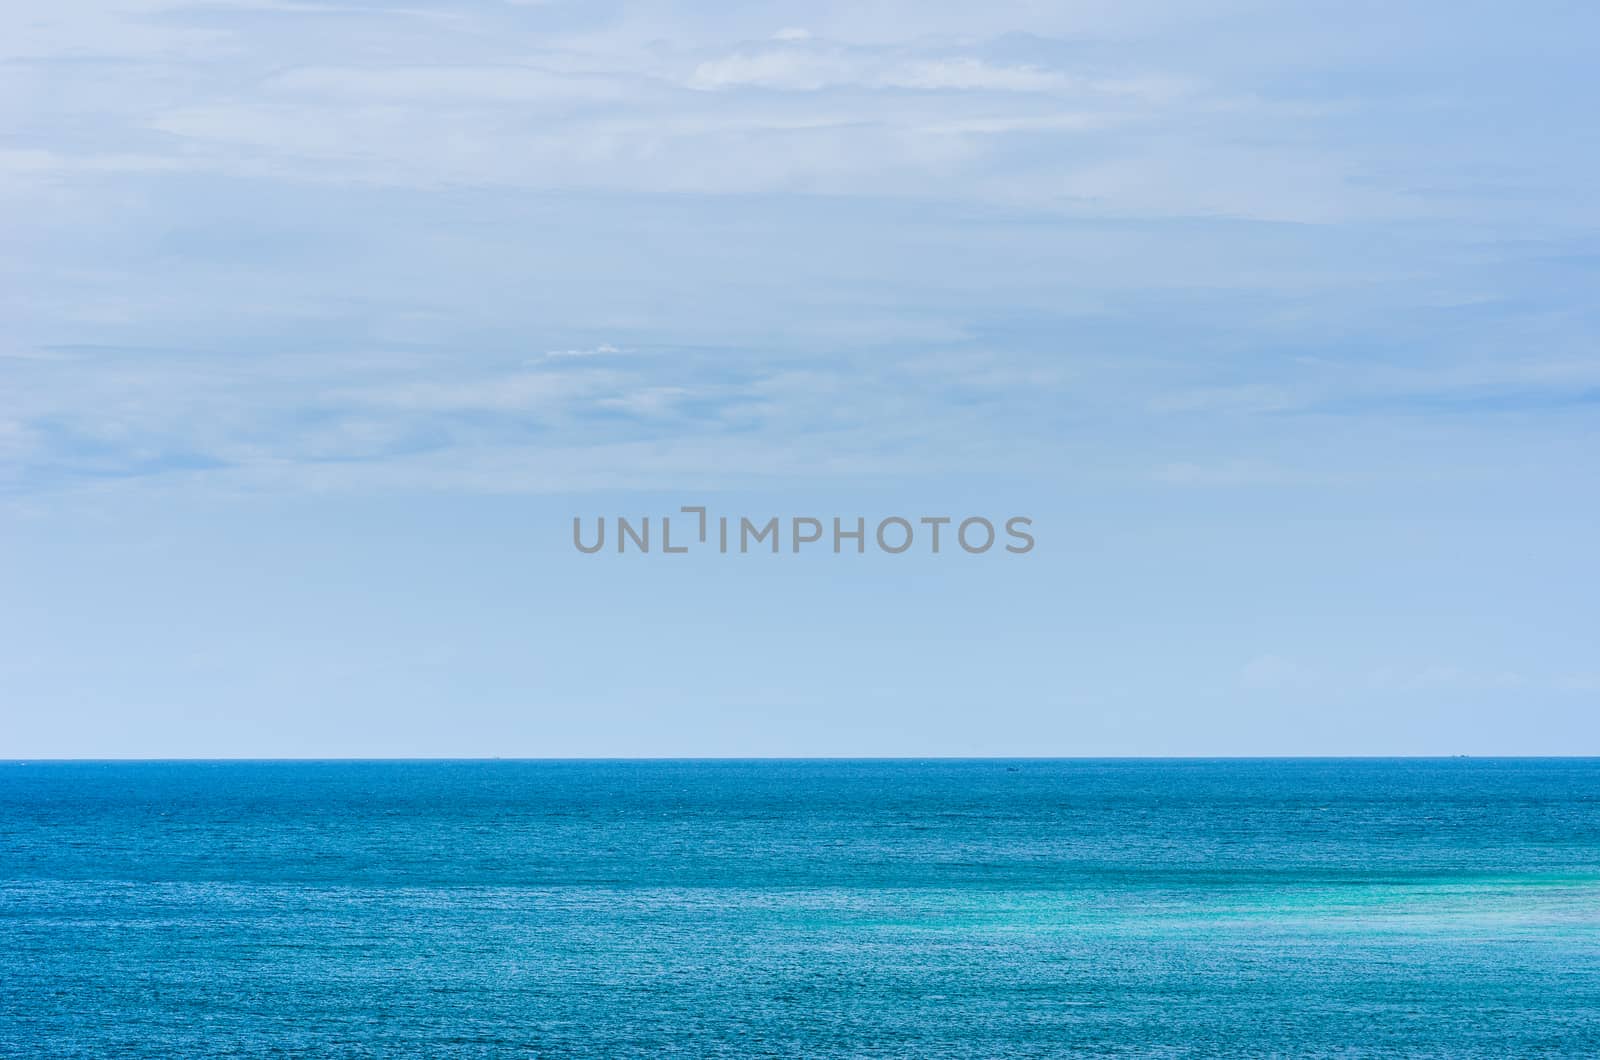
(323, 321)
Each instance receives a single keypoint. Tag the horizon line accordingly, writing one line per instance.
(334, 759)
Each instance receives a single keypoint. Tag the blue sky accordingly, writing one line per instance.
(323, 321)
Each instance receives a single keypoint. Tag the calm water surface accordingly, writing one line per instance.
(1446, 908)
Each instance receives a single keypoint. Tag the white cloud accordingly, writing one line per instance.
(927, 102)
(975, 75)
(791, 69)
(524, 391)
(1579, 682)
(648, 401)
(591, 351)
(1055, 184)
(812, 68)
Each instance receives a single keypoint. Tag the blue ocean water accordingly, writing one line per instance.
(1446, 908)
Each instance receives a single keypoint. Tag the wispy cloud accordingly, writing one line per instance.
(604, 349)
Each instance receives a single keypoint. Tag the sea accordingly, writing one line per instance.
(885, 908)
